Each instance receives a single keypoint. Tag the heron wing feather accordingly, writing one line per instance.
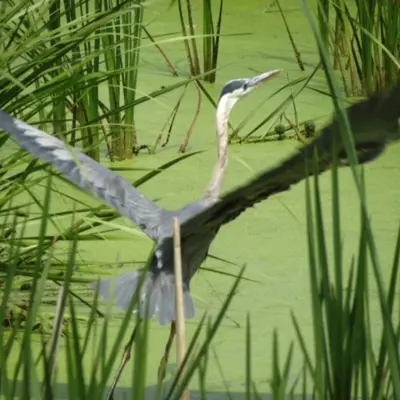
(86, 173)
(374, 122)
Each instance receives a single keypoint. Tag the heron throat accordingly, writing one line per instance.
(224, 109)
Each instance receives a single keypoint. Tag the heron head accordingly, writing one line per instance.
(238, 88)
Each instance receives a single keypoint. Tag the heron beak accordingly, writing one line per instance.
(266, 76)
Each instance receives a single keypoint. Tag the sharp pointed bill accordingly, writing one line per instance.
(266, 76)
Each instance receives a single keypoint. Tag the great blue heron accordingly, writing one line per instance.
(374, 122)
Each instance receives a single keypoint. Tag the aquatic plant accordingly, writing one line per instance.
(19, 364)
(211, 37)
(280, 131)
(342, 361)
(90, 222)
(309, 129)
(364, 39)
(291, 39)
(345, 363)
(71, 50)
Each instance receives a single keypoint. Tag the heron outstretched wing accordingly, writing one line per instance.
(87, 173)
(374, 123)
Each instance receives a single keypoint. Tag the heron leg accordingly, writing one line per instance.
(125, 358)
(164, 360)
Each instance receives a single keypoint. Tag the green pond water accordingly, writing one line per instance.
(270, 238)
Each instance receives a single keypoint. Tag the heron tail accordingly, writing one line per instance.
(157, 294)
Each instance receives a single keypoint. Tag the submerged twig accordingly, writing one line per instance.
(170, 119)
(169, 63)
(185, 143)
(299, 136)
(296, 51)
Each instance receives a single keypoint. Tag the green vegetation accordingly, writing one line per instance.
(365, 43)
(74, 69)
(73, 66)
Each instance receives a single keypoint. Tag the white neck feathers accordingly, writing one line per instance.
(224, 109)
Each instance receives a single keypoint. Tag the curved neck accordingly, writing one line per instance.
(215, 186)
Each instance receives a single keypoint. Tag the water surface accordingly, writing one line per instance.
(270, 238)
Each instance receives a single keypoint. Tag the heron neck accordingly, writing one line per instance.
(223, 111)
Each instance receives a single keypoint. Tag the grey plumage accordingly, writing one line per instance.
(88, 174)
(159, 292)
(374, 123)
(158, 287)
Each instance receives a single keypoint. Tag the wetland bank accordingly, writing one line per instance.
(271, 238)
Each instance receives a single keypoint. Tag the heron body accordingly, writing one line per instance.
(158, 288)
(157, 292)
(374, 123)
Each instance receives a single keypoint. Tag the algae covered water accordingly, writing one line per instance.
(270, 238)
